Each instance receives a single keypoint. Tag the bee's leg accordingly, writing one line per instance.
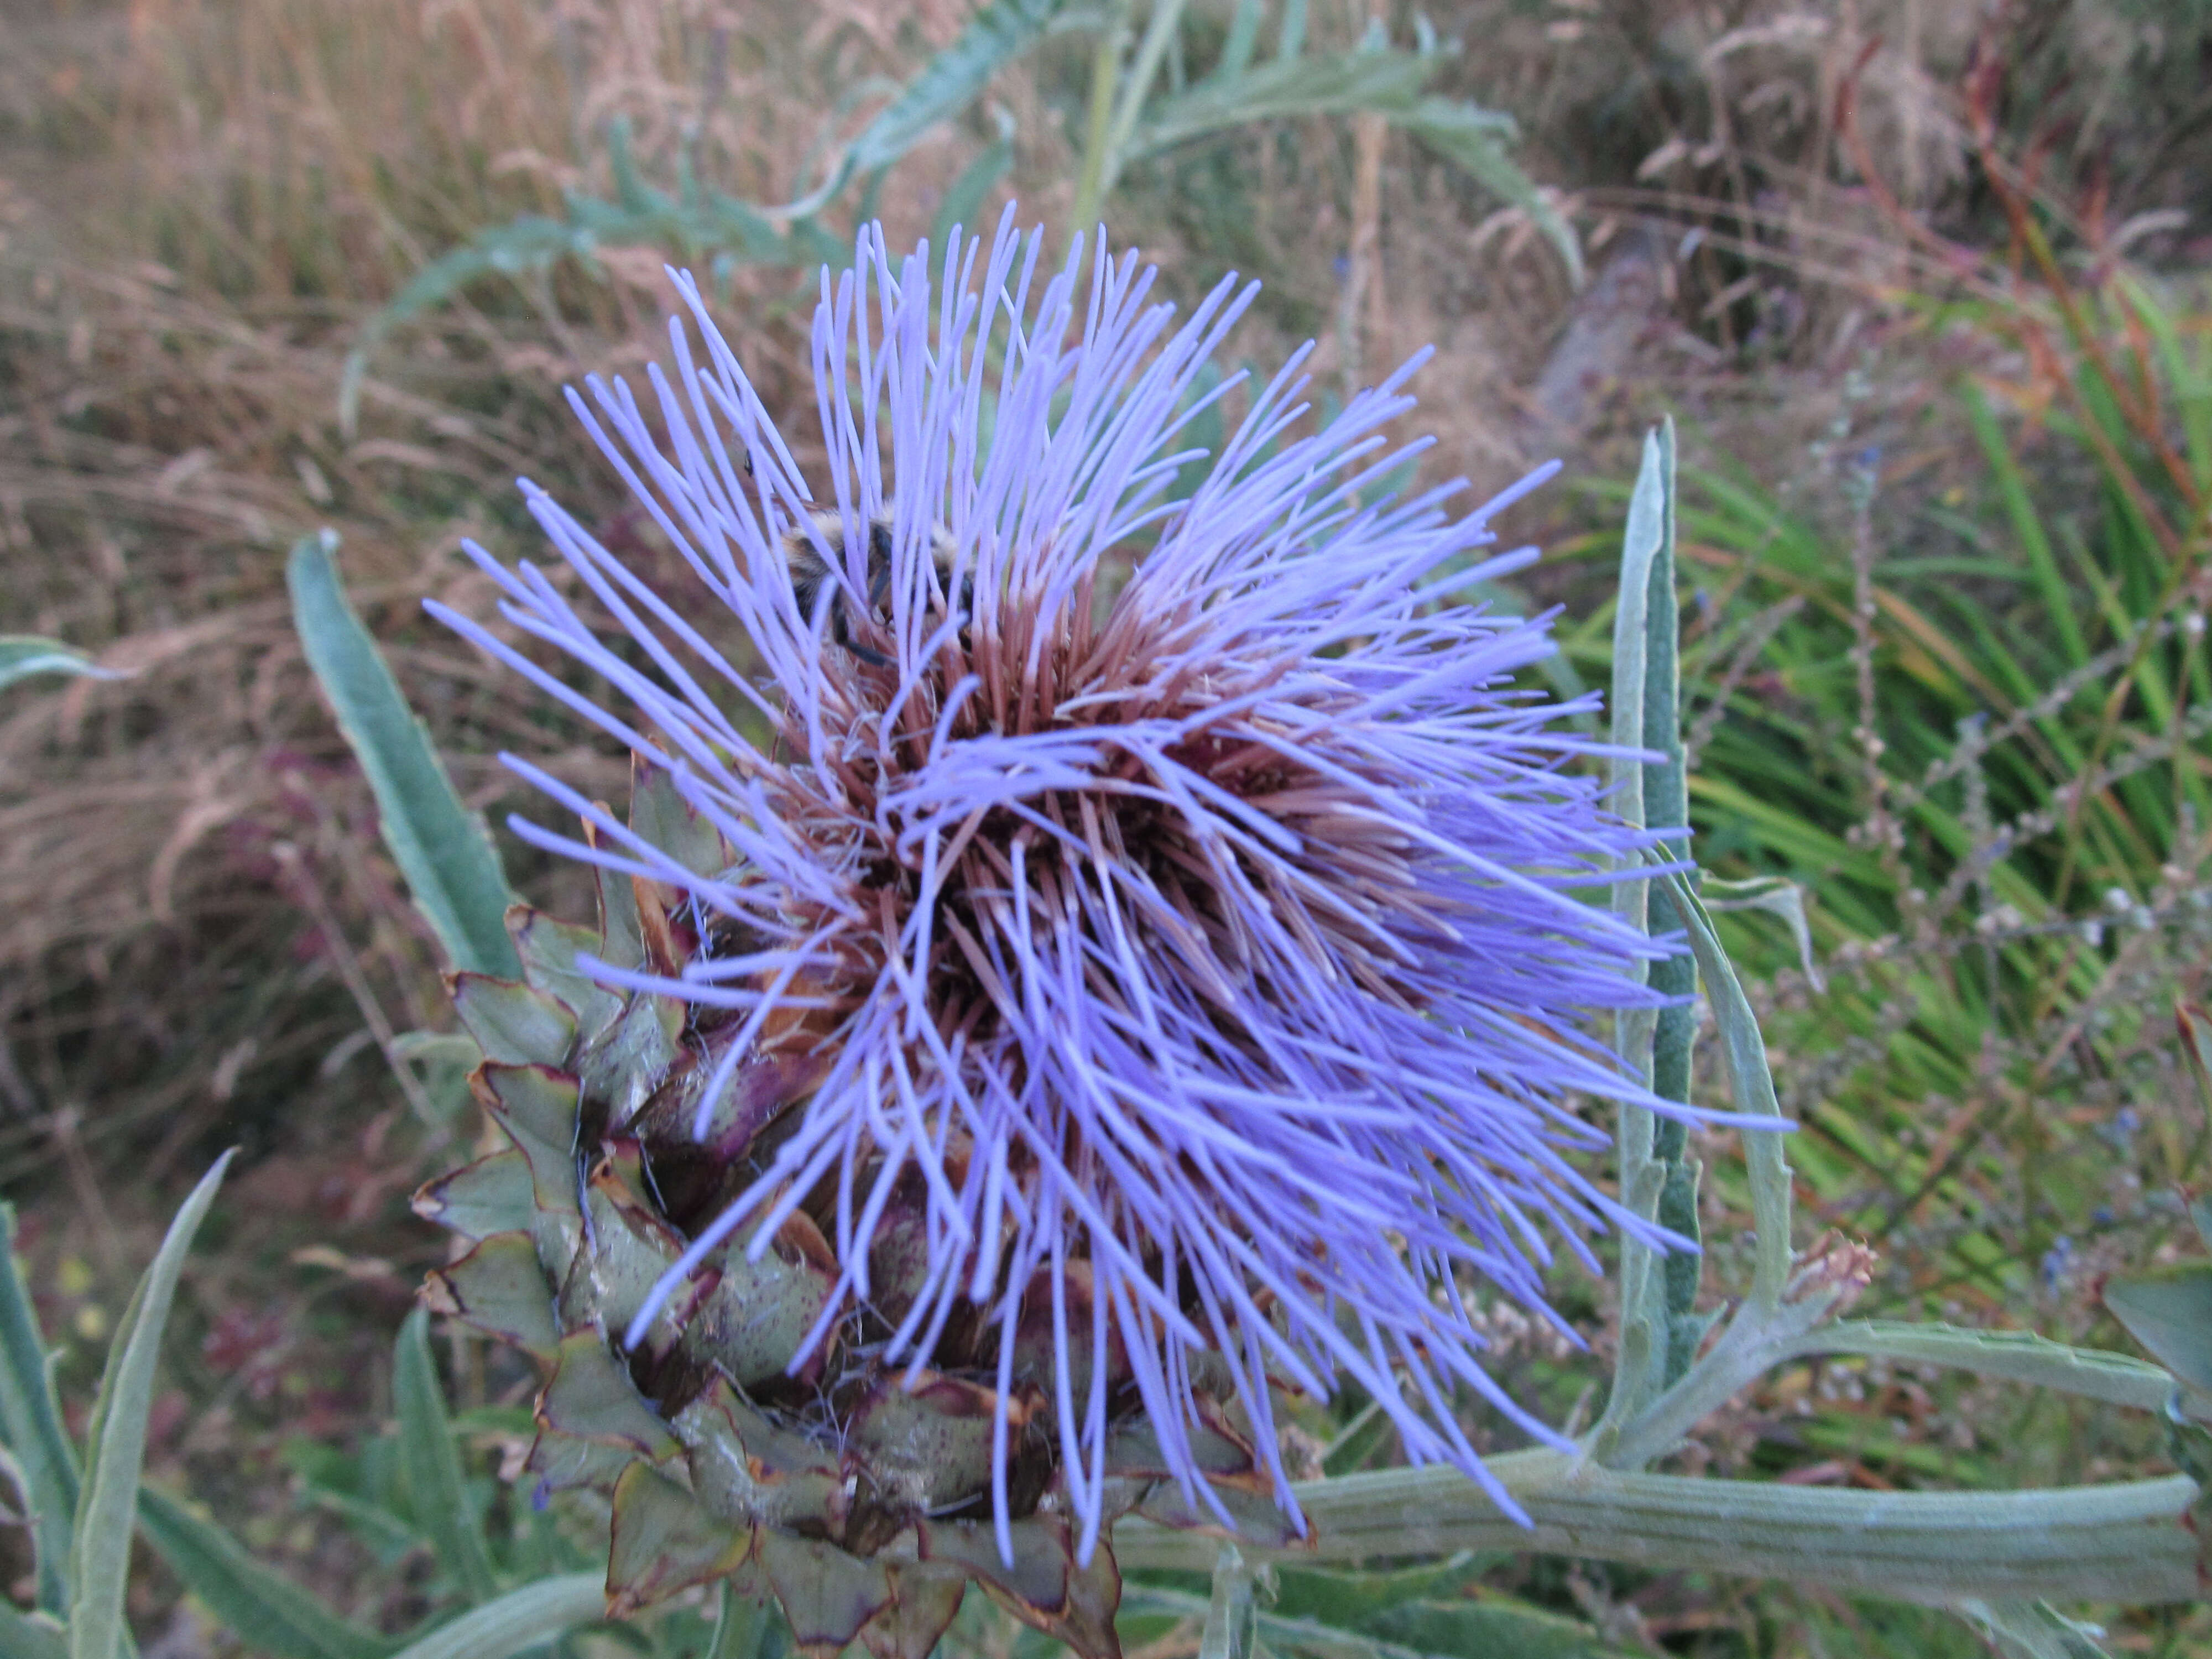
(840, 634)
(880, 564)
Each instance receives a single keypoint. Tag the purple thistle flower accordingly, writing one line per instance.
(1212, 949)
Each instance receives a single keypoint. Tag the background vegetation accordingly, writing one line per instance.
(1925, 285)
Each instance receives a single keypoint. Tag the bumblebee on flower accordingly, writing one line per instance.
(1098, 1013)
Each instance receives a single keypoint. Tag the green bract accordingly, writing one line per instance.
(861, 1504)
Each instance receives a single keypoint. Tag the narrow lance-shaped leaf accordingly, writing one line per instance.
(23, 655)
(30, 1418)
(521, 1618)
(431, 1465)
(1666, 806)
(266, 1610)
(441, 847)
(2017, 1356)
(1752, 1081)
(1777, 896)
(30, 1637)
(100, 1556)
(1643, 1333)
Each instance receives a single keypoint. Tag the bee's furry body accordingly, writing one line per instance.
(811, 574)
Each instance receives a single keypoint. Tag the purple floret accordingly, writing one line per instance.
(1230, 933)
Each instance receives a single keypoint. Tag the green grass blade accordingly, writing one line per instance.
(23, 1636)
(441, 847)
(1358, 1441)
(267, 1611)
(23, 655)
(2058, 604)
(431, 1464)
(30, 1419)
(520, 1618)
(100, 1556)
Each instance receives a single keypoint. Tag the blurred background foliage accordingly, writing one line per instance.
(1925, 286)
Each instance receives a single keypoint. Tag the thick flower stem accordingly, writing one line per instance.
(2132, 1542)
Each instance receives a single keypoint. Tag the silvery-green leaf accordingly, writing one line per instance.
(1777, 896)
(30, 1636)
(2018, 1356)
(430, 1463)
(2033, 1630)
(441, 847)
(24, 655)
(2169, 1313)
(1229, 1613)
(519, 1619)
(30, 1421)
(264, 1609)
(116, 1439)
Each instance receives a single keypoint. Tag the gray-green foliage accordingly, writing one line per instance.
(115, 1441)
(81, 1522)
(1132, 120)
(441, 847)
(82, 1531)
(1421, 1613)
(24, 656)
(1985, 1553)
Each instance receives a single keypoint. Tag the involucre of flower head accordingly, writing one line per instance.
(1207, 948)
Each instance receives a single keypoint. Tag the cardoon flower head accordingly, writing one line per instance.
(1171, 918)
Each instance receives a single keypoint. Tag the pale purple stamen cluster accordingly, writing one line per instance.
(1229, 935)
